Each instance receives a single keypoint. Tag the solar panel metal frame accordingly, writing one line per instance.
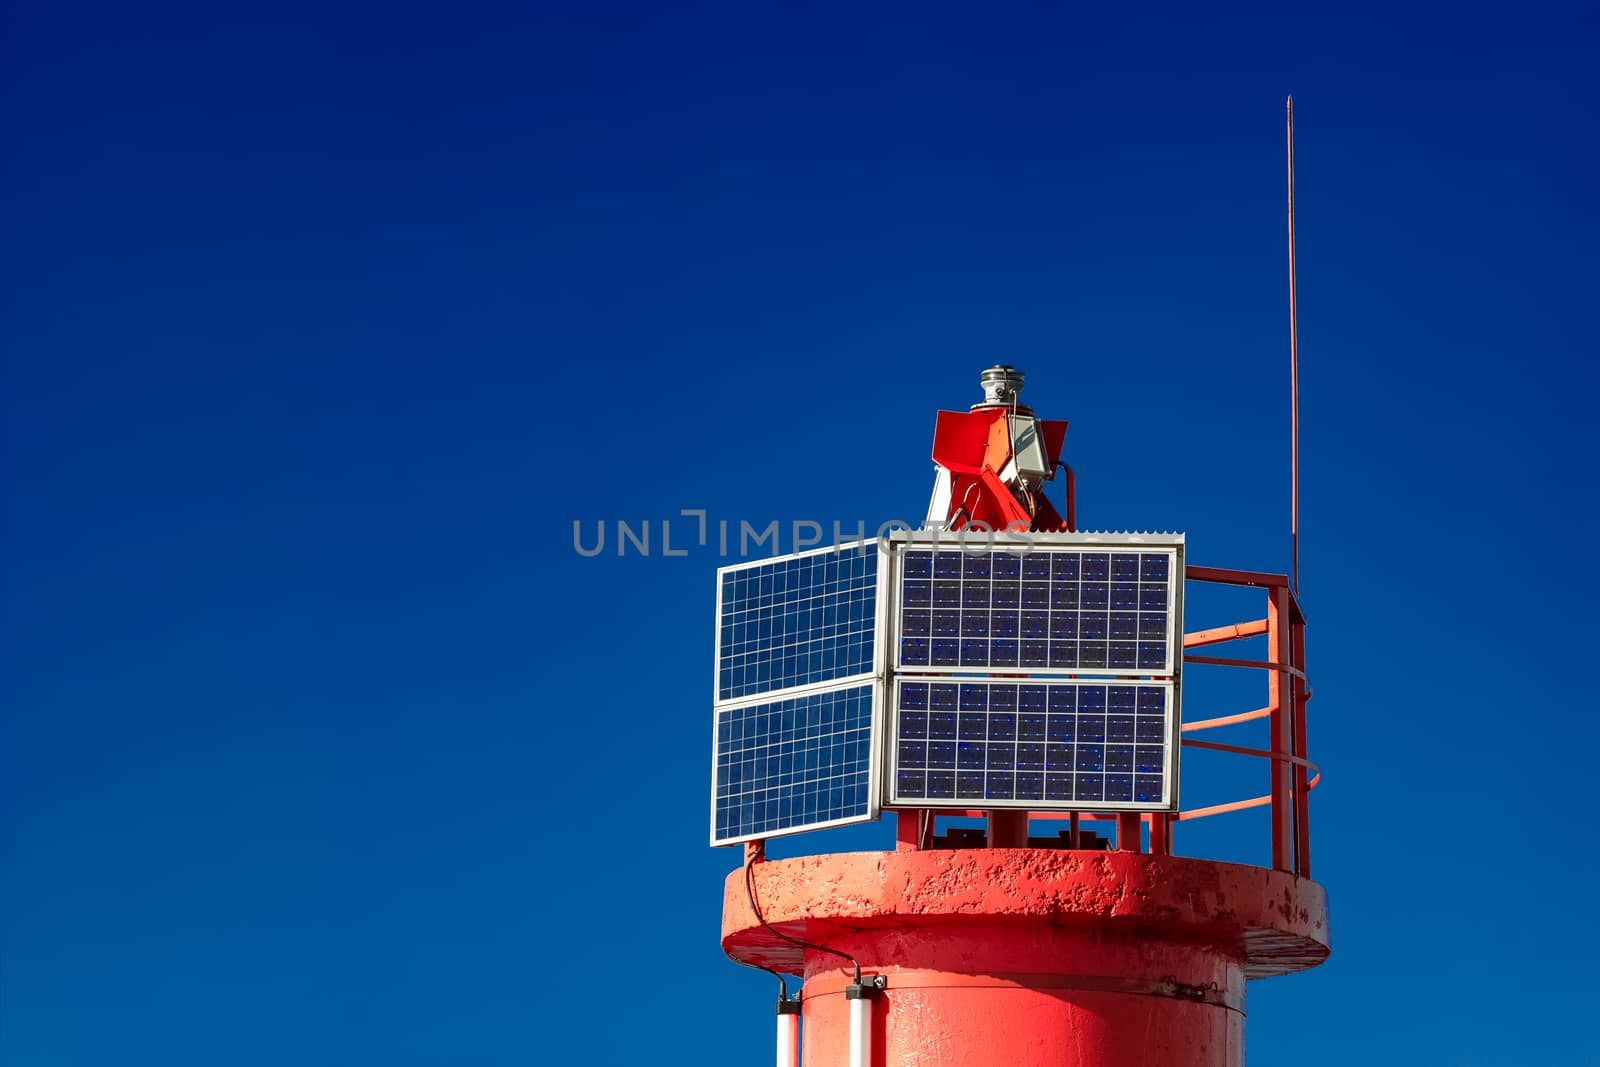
(947, 540)
(876, 678)
(899, 541)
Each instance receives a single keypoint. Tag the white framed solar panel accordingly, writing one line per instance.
(1033, 743)
(796, 620)
(1027, 603)
(798, 693)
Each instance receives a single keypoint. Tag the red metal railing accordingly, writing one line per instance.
(1291, 775)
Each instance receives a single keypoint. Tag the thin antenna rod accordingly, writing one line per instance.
(1294, 382)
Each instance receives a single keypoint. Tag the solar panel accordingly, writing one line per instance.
(1039, 672)
(796, 621)
(800, 762)
(1103, 609)
(986, 743)
(1036, 672)
(797, 692)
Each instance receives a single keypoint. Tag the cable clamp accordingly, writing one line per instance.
(867, 988)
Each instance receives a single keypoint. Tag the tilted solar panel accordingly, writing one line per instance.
(799, 762)
(797, 692)
(795, 621)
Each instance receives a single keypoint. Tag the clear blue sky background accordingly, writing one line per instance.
(323, 324)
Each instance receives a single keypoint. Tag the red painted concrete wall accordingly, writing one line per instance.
(1023, 957)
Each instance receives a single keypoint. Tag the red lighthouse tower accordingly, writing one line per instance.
(1066, 929)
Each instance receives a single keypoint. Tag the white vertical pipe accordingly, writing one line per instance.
(788, 1033)
(860, 1031)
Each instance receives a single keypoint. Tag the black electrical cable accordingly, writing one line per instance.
(1071, 515)
(750, 890)
(783, 984)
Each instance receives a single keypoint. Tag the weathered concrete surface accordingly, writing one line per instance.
(1027, 956)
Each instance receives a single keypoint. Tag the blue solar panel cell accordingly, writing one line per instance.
(797, 621)
(1047, 741)
(1052, 609)
(793, 763)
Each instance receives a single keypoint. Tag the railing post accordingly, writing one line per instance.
(1007, 829)
(1161, 834)
(907, 830)
(1302, 794)
(1282, 733)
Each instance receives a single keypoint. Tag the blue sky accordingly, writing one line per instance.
(323, 324)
